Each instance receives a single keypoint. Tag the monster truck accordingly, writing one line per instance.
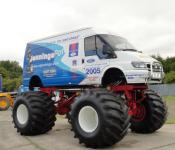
(96, 78)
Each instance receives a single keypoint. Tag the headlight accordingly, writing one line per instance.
(138, 64)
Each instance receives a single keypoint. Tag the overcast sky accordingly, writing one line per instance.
(148, 24)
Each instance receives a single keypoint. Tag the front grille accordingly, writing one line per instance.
(156, 67)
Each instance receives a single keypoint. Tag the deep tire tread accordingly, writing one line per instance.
(157, 110)
(41, 110)
(116, 120)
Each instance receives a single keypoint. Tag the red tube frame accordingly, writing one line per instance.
(63, 104)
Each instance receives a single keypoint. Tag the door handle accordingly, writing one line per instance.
(82, 61)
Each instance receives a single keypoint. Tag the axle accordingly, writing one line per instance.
(134, 95)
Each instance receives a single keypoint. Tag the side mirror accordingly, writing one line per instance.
(107, 51)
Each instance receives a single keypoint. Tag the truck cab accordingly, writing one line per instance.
(114, 56)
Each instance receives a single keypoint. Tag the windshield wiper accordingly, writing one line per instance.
(133, 50)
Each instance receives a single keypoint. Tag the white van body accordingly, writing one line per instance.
(91, 65)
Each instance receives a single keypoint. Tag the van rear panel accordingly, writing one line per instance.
(55, 61)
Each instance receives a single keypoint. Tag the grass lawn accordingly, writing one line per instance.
(170, 101)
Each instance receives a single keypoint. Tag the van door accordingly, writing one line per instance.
(96, 58)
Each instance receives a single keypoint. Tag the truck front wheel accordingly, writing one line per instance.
(154, 114)
(99, 118)
(33, 113)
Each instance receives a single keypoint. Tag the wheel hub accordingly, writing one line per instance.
(22, 114)
(88, 119)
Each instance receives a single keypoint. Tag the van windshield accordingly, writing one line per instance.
(117, 42)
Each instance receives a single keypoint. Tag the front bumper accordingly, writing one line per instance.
(144, 76)
(156, 77)
(156, 73)
(137, 76)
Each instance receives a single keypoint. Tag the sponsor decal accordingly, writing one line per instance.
(73, 49)
(74, 62)
(47, 61)
(65, 39)
(90, 60)
(132, 76)
(92, 78)
(45, 56)
(92, 70)
(49, 72)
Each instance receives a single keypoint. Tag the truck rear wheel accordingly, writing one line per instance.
(33, 113)
(154, 114)
(99, 119)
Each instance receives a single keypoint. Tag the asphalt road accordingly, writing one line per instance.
(61, 138)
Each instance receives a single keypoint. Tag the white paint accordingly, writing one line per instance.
(88, 119)
(22, 114)
(123, 61)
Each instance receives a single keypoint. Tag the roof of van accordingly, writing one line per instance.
(91, 30)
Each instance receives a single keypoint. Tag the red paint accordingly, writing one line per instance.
(48, 90)
(63, 105)
(133, 101)
(139, 114)
(136, 110)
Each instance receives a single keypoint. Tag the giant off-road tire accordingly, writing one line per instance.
(33, 113)
(99, 118)
(155, 114)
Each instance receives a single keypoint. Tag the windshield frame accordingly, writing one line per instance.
(128, 46)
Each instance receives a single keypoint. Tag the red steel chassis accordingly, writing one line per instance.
(134, 95)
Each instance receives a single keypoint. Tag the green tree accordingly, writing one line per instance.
(12, 74)
(12, 67)
(170, 77)
(3, 72)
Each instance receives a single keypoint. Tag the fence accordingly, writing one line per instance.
(164, 89)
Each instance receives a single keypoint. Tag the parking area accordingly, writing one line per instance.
(61, 138)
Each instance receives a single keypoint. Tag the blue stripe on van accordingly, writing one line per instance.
(45, 61)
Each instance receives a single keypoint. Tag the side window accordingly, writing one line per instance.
(102, 48)
(89, 46)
